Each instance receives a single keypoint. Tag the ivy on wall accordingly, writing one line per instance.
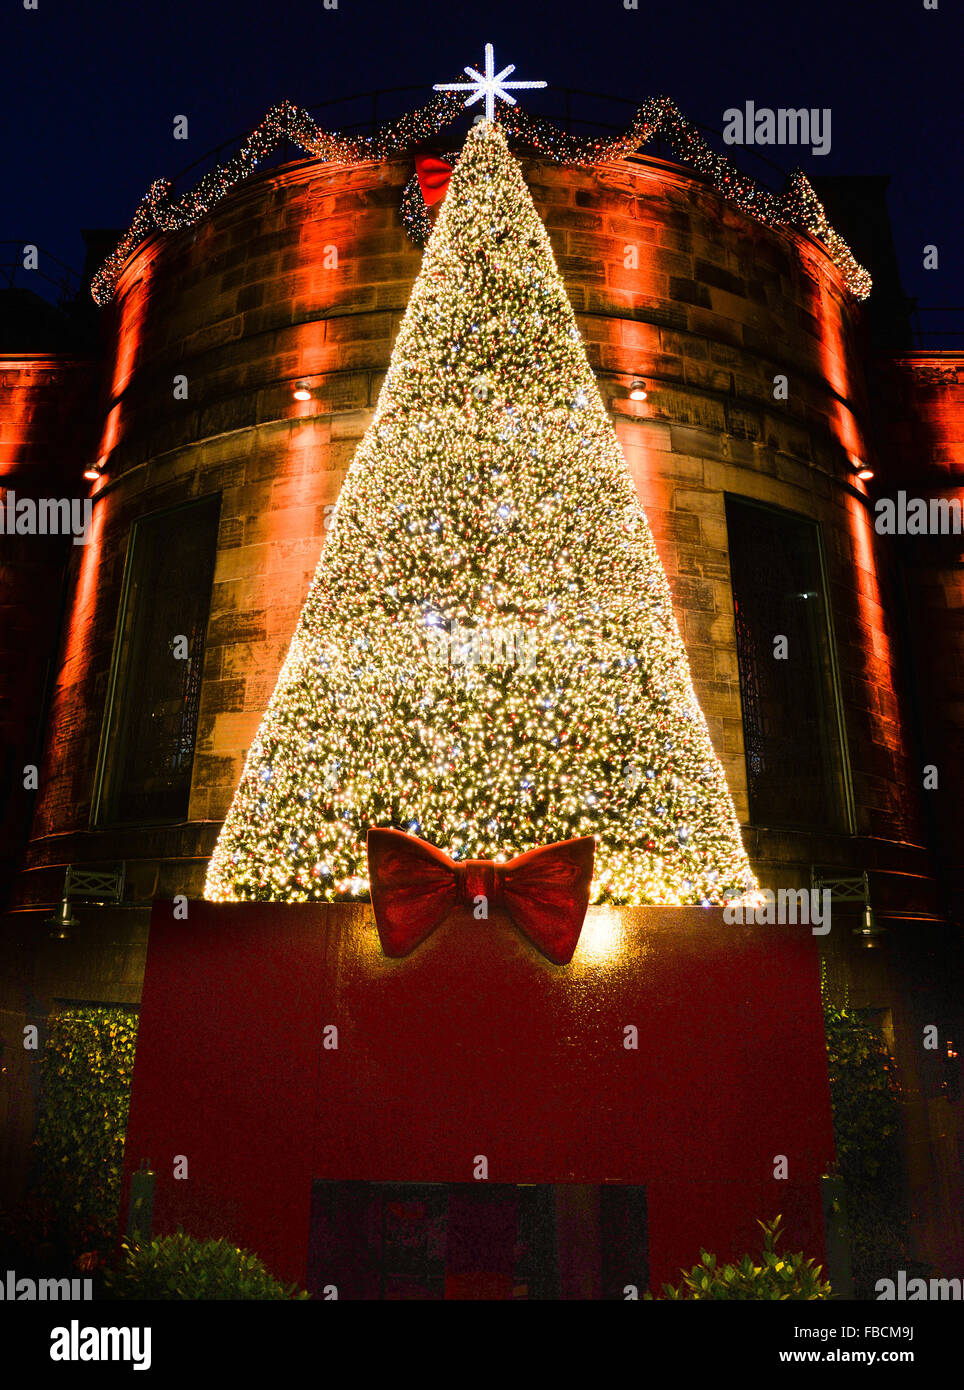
(865, 1098)
(86, 1075)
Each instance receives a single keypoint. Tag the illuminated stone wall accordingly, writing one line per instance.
(304, 273)
(45, 427)
(921, 406)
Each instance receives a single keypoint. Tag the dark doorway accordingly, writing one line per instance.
(435, 1241)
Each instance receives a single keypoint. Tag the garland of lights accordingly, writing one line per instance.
(798, 205)
(414, 213)
(160, 209)
(487, 657)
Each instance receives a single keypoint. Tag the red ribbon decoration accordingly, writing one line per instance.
(433, 177)
(415, 886)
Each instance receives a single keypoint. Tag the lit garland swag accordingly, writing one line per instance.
(797, 206)
(489, 495)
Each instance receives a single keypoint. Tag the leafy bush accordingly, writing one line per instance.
(778, 1277)
(865, 1098)
(181, 1267)
(86, 1074)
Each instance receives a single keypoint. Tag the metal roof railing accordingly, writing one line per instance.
(949, 327)
(14, 275)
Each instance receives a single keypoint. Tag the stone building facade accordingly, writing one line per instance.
(762, 391)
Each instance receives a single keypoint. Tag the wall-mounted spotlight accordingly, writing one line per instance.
(301, 392)
(869, 932)
(860, 469)
(637, 392)
(62, 921)
(92, 473)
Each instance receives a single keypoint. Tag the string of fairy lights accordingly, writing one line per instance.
(797, 206)
(161, 209)
(489, 494)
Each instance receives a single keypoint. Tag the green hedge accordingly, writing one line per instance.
(180, 1267)
(865, 1098)
(86, 1075)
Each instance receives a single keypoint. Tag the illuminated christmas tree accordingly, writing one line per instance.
(488, 656)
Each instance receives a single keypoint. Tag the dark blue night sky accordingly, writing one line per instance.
(90, 91)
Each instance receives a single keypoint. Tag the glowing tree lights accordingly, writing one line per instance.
(487, 657)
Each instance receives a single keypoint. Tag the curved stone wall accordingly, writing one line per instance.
(304, 273)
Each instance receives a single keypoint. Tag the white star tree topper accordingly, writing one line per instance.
(490, 84)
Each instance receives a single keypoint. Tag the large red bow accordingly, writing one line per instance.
(433, 177)
(415, 886)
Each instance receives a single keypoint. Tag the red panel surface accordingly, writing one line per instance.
(476, 1046)
(227, 1074)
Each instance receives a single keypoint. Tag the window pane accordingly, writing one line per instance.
(413, 1229)
(794, 762)
(624, 1239)
(159, 655)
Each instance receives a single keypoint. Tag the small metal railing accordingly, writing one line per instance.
(14, 275)
(852, 888)
(949, 327)
(101, 885)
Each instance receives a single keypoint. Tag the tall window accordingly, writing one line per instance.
(148, 748)
(796, 773)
